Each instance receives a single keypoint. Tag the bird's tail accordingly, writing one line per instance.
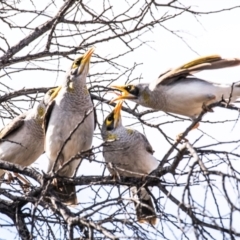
(144, 206)
(66, 192)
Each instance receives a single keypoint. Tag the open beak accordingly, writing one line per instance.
(117, 113)
(86, 60)
(125, 94)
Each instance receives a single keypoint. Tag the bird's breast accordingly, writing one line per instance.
(72, 129)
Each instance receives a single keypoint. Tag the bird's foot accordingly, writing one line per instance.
(206, 108)
(180, 138)
(116, 176)
(225, 103)
(89, 155)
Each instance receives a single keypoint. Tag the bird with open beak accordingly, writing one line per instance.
(178, 91)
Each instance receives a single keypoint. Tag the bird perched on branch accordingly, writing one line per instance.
(178, 91)
(22, 140)
(69, 126)
(128, 153)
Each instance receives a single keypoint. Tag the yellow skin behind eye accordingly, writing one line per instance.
(112, 137)
(108, 122)
(145, 96)
(76, 63)
(41, 111)
(40, 114)
(70, 87)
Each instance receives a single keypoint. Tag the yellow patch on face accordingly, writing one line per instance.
(76, 63)
(112, 137)
(130, 131)
(70, 87)
(146, 96)
(41, 111)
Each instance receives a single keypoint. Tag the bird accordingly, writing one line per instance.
(70, 112)
(178, 91)
(128, 153)
(22, 140)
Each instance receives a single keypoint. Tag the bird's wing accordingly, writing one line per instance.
(48, 115)
(15, 124)
(147, 145)
(202, 63)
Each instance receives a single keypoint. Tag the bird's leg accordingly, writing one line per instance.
(114, 176)
(89, 155)
(206, 108)
(25, 184)
(224, 102)
(179, 136)
(9, 177)
(114, 172)
(195, 126)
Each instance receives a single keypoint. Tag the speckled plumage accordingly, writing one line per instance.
(178, 91)
(70, 107)
(128, 153)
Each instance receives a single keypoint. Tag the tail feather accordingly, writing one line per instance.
(66, 192)
(144, 206)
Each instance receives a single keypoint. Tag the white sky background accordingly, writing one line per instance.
(208, 34)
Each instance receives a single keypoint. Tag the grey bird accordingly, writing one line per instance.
(178, 91)
(129, 154)
(22, 140)
(70, 113)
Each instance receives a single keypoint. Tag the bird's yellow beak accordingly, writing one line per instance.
(117, 113)
(86, 60)
(125, 93)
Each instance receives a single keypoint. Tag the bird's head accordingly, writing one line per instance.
(139, 93)
(51, 95)
(112, 122)
(80, 67)
(46, 100)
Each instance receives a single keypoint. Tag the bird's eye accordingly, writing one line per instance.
(110, 118)
(129, 88)
(77, 63)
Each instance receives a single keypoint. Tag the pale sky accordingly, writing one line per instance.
(209, 34)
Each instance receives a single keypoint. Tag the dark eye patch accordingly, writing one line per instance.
(133, 90)
(110, 122)
(78, 62)
(128, 88)
(110, 118)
